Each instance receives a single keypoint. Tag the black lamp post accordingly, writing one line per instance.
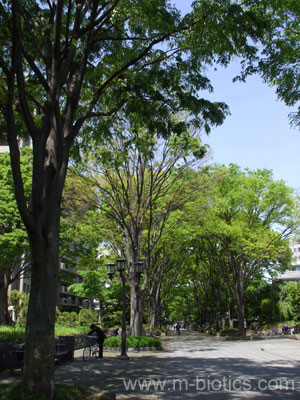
(111, 269)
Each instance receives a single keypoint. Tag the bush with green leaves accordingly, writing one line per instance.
(229, 332)
(289, 304)
(67, 318)
(19, 300)
(87, 317)
(266, 308)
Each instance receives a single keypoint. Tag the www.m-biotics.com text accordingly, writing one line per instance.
(226, 383)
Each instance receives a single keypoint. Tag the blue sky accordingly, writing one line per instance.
(257, 134)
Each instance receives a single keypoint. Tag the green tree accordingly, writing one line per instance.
(260, 295)
(278, 61)
(19, 300)
(69, 66)
(289, 301)
(13, 239)
(250, 219)
(143, 181)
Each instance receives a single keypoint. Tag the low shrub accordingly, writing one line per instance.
(87, 317)
(67, 319)
(19, 300)
(229, 332)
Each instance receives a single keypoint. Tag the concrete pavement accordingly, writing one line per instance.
(193, 366)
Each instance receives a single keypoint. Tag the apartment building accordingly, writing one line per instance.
(67, 300)
(294, 273)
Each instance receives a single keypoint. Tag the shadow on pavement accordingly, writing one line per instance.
(175, 377)
(193, 367)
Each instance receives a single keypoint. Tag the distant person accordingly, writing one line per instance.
(285, 329)
(177, 327)
(100, 337)
(116, 332)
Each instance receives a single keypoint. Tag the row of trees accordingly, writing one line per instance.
(216, 230)
(266, 304)
(212, 229)
(70, 71)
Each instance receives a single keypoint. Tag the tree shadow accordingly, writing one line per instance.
(179, 377)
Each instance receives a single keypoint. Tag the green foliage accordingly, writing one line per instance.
(228, 331)
(13, 237)
(87, 317)
(286, 310)
(236, 232)
(69, 319)
(279, 324)
(70, 331)
(17, 334)
(278, 62)
(12, 334)
(266, 307)
(262, 301)
(19, 300)
(246, 227)
(289, 305)
(68, 68)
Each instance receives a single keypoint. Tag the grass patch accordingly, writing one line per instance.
(61, 392)
(12, 334)
(133, 342)
(17, 334)
(70, 331)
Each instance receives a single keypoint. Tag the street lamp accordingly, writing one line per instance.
(139, 268)
(120, 267)
(111, 267)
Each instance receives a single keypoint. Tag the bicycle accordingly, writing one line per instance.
(91, 349)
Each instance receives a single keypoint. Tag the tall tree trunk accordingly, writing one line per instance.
(154, 307)
(136, 308)
(5, 318)
(43, 234)
(239, 294)
(153, 314)
(39, 346)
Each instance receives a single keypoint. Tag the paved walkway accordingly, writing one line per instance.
(195, 367)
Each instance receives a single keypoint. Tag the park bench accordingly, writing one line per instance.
(17, 357)
(61, 354)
